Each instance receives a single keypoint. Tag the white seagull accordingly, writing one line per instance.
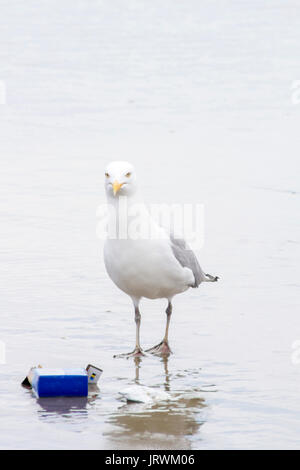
(141, 258)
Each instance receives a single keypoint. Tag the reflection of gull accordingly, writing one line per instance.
(152, 266)
(158, 425)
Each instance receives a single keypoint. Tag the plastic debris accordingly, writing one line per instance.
(69, 382)
(27, 382)
(94, 373)
(143, 394)
(60, 382)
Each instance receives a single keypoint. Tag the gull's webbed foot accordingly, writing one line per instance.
(137, 352)
(161, 349)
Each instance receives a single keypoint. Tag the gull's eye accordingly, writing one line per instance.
(128, 174)
(107, 175)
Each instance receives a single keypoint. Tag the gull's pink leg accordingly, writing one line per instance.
(163, 348)
(137, 352)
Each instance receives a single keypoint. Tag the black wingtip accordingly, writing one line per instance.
(212, 278)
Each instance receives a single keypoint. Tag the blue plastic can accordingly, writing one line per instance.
(60, 382)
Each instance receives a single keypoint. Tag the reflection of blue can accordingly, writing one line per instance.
(60, 382)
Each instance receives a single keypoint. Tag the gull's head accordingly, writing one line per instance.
(120, 179)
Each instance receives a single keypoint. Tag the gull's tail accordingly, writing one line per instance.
(210, 278)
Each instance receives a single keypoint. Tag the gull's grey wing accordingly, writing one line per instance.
(187, 258)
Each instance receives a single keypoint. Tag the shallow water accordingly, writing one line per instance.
(199, 98)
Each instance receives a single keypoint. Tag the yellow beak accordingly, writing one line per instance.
(116, 187)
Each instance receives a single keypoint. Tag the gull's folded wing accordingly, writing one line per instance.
(187, 258)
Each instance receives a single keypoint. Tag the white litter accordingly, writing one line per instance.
(143, 394)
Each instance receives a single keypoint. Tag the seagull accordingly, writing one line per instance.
(140, 256)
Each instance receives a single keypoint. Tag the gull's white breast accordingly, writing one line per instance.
(146, 268)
